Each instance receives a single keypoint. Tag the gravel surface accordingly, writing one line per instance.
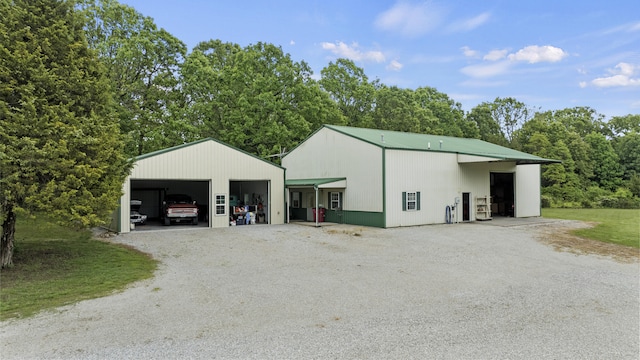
(466, 291)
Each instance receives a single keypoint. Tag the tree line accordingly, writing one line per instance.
(260, 100)
(87, 84)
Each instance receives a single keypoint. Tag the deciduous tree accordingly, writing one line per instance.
(143, 66)
(255, 98)
(510, 114)
(350, 88)
(606, 167)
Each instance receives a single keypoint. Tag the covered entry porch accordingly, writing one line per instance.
(307, 197)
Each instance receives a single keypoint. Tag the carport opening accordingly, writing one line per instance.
(249, 202)
(502, 194)
(151, 194)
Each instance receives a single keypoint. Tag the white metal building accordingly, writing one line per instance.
(390, 179)
(216, 175)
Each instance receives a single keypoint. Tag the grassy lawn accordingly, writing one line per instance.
(55, 266)
(618, 226)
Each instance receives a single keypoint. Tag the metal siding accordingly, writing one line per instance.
(475, 180)
(329, 154)
(214, 162)
(437, 175)
(527, 190)
(434, 175)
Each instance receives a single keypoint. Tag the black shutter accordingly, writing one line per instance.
(418, 200)
(404, 201)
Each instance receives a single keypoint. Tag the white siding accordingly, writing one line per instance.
(434, 174)
(330, 154)
(441, 178)
(527, 189)
(214, 162)
(475, 180)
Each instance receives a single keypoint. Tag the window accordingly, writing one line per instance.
(221, 205)
(411, 201)
(335, 200)
(295, 202)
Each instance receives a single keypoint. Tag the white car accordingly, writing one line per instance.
(136, 217)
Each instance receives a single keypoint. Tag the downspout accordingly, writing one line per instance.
(315, 187)
(286, 197)
(384, 188)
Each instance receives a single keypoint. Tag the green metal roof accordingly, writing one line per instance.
(437, 143)
(312, 182)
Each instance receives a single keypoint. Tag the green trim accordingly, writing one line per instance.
(120, 212)
(384, 188)
(285, 217)
(364, 218)
(174, 148)
(298, 214)
(311, 182)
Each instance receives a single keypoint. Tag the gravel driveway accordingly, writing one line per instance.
(466, 291)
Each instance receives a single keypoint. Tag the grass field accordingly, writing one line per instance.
(55, 266)
(618, 226)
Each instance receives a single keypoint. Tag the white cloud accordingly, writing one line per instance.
(486, 70)
(621, 75)
(292, 42)
(534, 54)
(410, 19)
(352, 52)
(495, 55)
(469, 24)
(468, 52)
(629, 27)
(394, 65)
(497, 62)
(583, 84)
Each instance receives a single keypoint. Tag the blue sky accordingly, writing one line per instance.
(548, 54)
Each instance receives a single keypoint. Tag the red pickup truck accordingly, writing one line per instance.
(179, 208)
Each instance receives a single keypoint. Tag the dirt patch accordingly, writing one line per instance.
(560, 238)
(348, 230)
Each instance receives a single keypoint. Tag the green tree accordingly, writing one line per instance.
(445, 116)
(581, 120)
(60, 148)
(621, 125)
(396, 110)
(254, 98)
(143, 65)
(556, 126)
(510, 114)
(488, 129)
(560, 180)
(624, 132)
(606, 172)
(628, 150)
(350, 88)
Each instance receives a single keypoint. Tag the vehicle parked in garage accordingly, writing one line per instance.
(136, 216)
(179, 208)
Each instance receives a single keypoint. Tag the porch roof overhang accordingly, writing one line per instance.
(519, 160)
(320, 183)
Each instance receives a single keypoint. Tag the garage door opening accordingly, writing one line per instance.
(502, 194)
(147, 198)
(249, 202)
